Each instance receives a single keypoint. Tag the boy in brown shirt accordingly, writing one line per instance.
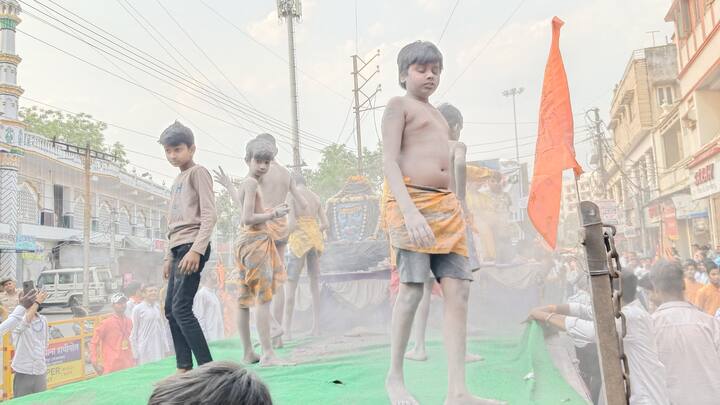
(424, 220)
(191, 219)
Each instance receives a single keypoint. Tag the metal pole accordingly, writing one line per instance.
(517, 142)
(602, 293)
(293, 94)
(356, 92)
(86, 230)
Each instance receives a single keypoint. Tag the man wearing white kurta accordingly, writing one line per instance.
(147, 339)
(208, 309)
(688, 340)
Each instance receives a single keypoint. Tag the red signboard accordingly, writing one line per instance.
(705, 174)
(670, 225)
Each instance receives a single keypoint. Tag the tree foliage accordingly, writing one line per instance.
(339, 163)
(76, 129)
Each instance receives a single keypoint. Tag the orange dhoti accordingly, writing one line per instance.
(306, 237)
(278, 229)
(443, 213)
(260, 269)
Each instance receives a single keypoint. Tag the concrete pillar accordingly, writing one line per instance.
(9, 164)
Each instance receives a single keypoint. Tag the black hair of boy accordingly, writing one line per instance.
(259, 149)
(452, 115)
(418, 52)
(177, 134)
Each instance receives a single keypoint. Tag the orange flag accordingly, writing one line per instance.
(555, 150)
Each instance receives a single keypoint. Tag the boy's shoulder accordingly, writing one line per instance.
(397, 102)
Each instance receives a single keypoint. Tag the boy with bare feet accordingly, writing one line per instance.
(458, 185)
(261, 272)
(275, 186)
(306, 245)
(424, 219)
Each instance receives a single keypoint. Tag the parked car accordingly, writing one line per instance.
(65, 287)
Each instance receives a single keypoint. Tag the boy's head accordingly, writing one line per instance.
(179, 143)
(689, 268)
(217, 382)
(150, 293)
(713, 272)
(259, 153)
(629, 286)
(134, 288)
(419, 66)
(454, 119)
(667, 281)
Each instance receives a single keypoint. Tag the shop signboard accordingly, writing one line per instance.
(705, 179)
(609, 211)
(64, 361)
(670, 225)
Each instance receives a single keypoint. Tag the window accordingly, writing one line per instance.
(664, 95)
(104, 219)
(79, 213)
(28, 203)
(104, 276)
(682, 19)
(671, 144)
(124, 222)
(80, 277)
(66, 278)
(58, 192)
(46, 279)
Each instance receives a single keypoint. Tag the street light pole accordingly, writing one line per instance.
(291, 10)
(513, 92)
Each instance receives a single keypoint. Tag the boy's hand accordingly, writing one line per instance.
(421, 235)
(222, 178)
(27, 298)
(281, 210)
(190, 263)
(167, 265)
(41, 297)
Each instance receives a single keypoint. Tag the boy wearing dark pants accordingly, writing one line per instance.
(191, 219)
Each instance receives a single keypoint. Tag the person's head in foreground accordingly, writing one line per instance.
(259, 153)
(667, 281)
(454, 119)
(214, 383)
(419, 66)
(179, 143)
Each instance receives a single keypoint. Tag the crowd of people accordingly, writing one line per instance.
(673, 335)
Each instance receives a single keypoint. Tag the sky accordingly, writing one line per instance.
(234, 53)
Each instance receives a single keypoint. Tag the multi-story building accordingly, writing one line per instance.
(42, 195)
(645, 93)
(691, 133)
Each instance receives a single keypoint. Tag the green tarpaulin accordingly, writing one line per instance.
(519, 372)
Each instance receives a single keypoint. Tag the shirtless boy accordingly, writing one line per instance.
(424, 219)
(261, 272)
(306, 245)
(458, 185)
(275, 186)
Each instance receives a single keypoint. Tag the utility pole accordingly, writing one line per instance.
(599, 147)
(88, 155)
(291, 10)
(358, 66)
(513, 92)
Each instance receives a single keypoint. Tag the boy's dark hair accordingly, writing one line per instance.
(217, 382)
(709, 265)
(452, 115)
(418, 52)
(133, 287)
(259, 149)
(629, 285)
(667, 276)
(177, 134)
(269, 139)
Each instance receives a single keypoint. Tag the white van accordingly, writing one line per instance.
(65, 287)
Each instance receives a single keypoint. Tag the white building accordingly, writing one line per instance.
(41, 195)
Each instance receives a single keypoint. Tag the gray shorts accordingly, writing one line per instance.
(25, 384)
(415, 267)
(296, 264)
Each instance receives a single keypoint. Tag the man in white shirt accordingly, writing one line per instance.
(647, 374)
(208, 309)
(148, 337)
(688, 340)
(30, 339)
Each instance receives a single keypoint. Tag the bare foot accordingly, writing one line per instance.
(181, 371)
(472, 358)
(397, 392)
(251, 358)
(416, 355)
(272, 361)
(277, 342)
(467, 399)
